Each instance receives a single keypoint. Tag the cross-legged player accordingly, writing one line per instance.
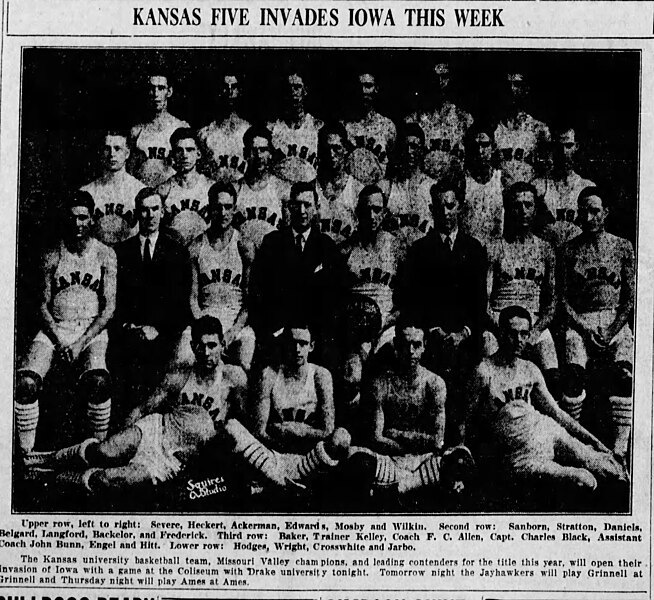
(114, 192)
(150, 141)
(598, 296)
(78, 287)
(221, 142)
(185, 194)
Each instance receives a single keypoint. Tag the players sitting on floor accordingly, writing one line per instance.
(114, 192)
(221, 142)
(521, 271)
(151, 451)
(150, 141)
(514, 423)
(78, 298)
(185, 194)
(598, 296)
(220, 264)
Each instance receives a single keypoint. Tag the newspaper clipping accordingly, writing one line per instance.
(344, 299)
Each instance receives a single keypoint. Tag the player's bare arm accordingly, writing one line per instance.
(196, 311)
(47, 270)
(246, 250)
(162, 396)
(238, 388)
(383, 443)
(548, 295)
(627, 292)
(478, 384)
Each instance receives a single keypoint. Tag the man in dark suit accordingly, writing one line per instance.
(442, 284)
(153, 297)
(297, 273)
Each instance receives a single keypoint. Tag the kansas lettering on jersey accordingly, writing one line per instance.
(520, 138)
(483, 211)
(337, 217)
(222, 145)
(187, 209)
(409, 217)
(296, 142)
(208, 396)
(260, 210)
(220, 276)
(375, 133)
(86, 280)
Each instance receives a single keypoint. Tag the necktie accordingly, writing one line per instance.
(450, 242)
(299, 243)
(147, 253)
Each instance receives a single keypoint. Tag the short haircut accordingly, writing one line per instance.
(411, 130)
(78, 198)
(519, 187)
(183, 133)
(256, 131)
(593, 190)
(333, 128)
(157, 71)
(479, 127)
(302, 187)
(408, 320)
(295, 324)
(449, 183)
(115, 133)
(371, 190)
(510, 312)
(144, 193)
(221, 187)
(206, 325)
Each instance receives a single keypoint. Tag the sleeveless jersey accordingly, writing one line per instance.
(260, 211)
(223, 150)
(154, 147)
(115, 217)
(376, 134)
(76, 283)
(337, 216)
(220, 275)
(596, 277)
(300, 142)
(404, 409)
(187, 209)
(483, 211)
(561, 200)
(409, 216)
(518, 273)
(207, 395)
(374, 272)
(297, 401)
(518, 139)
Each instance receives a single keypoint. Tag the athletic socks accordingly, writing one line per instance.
(27, 418)
(98, 418)
(621, 414)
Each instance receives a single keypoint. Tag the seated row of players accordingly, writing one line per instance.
(298, 267)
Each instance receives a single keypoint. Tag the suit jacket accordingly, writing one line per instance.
(442, 287)
(156, 296)
(286, 285)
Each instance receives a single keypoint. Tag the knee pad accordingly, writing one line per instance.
(27, 387)
(573, 380)
(338, 444)
(621, 381)
(95, 385)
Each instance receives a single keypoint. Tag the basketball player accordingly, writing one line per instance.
(220, 264)
(369, 132)
(598, 297)
(151, 451)
(511, 409)
(561, 190)
(520, 139)
(295, 134)
(293, 419)
(114, 192)
(221, 142)
(408, 190)
(483, 210)
(185, 194)
(261, 195)
(521, 272)
(338, 191)
(78, 279)
(444, 124)
(150, 141)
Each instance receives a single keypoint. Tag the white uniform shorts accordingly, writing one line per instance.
(41, 352)
(152, 453)
(621, 347)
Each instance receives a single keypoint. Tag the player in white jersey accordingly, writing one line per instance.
(514, 423)
(221, 142)
(598, 297)
(444, 124)
(185, 194)
(561, 190)
(372, 135)
(409, 215)
(261, 195)
(295, 134)
(520, 139)
(293, 419)
(114, 192)
(78, 299)
(220, 265)
(482, 214)
(338, 191)
(521, 272)
(150, 141)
